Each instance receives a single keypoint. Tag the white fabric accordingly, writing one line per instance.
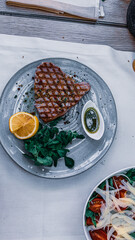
(88, 9)
(32, 208)
(80, 3)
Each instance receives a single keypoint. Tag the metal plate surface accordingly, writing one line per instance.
(18, 95)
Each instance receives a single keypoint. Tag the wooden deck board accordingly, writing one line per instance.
(116, 37)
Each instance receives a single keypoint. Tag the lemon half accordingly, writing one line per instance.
(23, 125)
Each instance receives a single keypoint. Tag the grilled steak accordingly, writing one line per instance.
(55, 91)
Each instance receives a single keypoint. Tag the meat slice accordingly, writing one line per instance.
(55, 91)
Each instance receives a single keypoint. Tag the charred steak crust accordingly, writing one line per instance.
(55, 91)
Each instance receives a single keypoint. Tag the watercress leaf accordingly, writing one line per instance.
(55, 162)
(62, 138)
(92, 215)
(53, 131)
(80, 136)
(45, 144)
(52, 147)
(40, 126)
(87, 207)
(102, 185)
(111, 182)
(94, 195)
(55, 157)
(76, 135)
(46, 138)
(41, 132)
(94, 220)
(55, 154)
(89, 213)
(130, 172)
(52, 134)
(47, 132)
(26, 145)
(28, 156)
(54, 122)
(49, 143)
(50, 153)
(62, 152)
(44, 152)
(53, 142)
(69, 137)
(132, 235)
(58, 146)
(65, 142)
(47, 161)
(69, 162)
(34, 151)
(59, 138)
(29, 145)
(63, 134)
(131, 175)
(37, 163)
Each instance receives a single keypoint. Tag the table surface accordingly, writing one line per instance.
(27, 210)
(110, 30)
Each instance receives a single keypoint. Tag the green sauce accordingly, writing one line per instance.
(91, 120)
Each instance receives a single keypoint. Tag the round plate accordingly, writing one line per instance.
(122, 171)
(18, 95)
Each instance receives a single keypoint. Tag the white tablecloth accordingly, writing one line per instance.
(32, 208)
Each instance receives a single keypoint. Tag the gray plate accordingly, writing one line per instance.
(18, 96)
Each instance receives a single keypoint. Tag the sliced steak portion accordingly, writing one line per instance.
(55, 91)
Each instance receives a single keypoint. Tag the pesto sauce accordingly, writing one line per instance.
(91, 120)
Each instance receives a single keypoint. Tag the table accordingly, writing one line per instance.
(110, 30)
(27, 213)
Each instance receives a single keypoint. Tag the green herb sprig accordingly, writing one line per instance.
(91, 214)
(132, 234)
(131, 175)
(49, 145)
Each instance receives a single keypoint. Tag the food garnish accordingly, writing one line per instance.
(110, 211)
(23, 125)
(49, 145)
(56, 92)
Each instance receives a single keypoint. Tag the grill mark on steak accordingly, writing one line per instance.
(55, 91)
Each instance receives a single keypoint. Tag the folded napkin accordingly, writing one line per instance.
(87, 9)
